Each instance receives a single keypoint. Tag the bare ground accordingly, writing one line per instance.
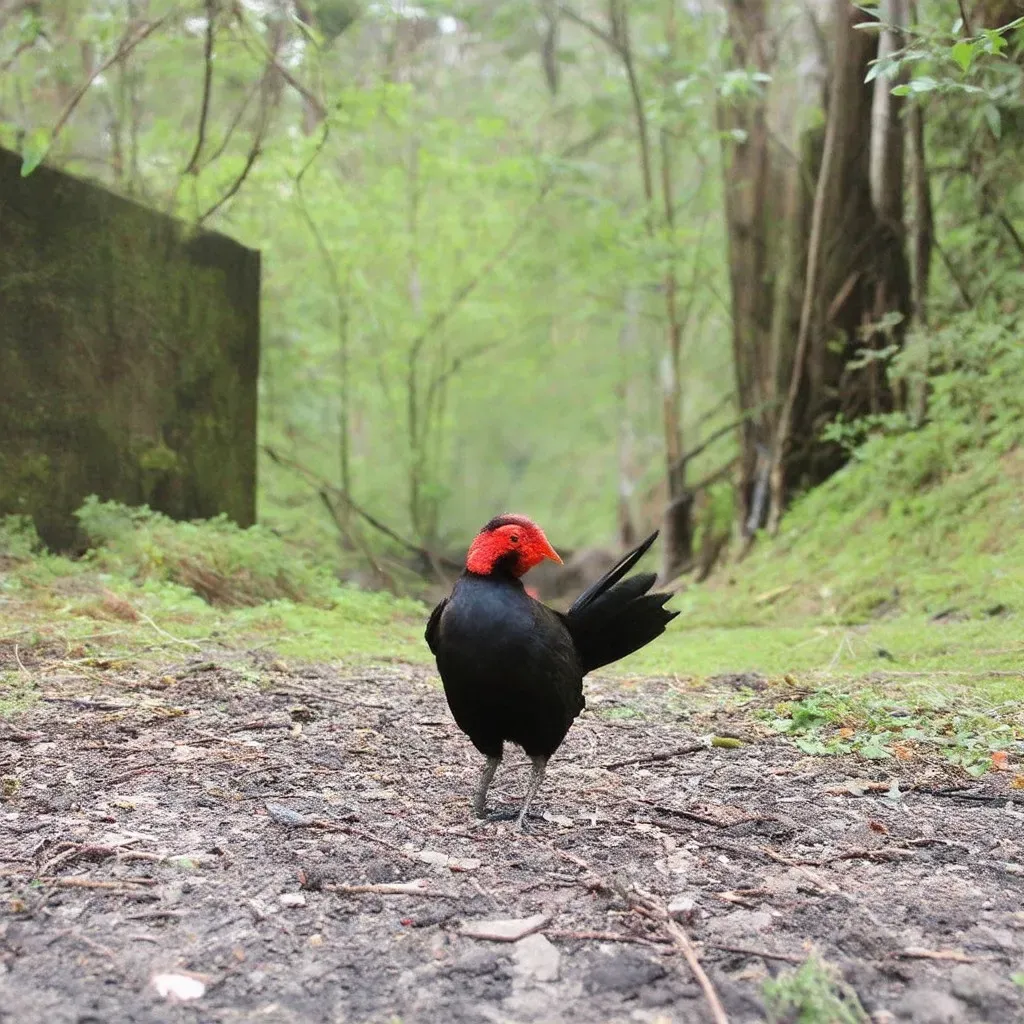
(210, 820)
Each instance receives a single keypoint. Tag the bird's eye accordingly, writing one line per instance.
(514, 538)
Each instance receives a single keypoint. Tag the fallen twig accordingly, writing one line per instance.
(704, 819)
(92, 944)
(882, 853)
(415, 888)
(559, 933)
(666, 755)
(76, 882)
(741, 897)
(917, 953)
(982, 798)
(652, 908)
(86, 703)
(852, 788)
(744, 951)
(86, 852)
(157, 915)
(689, 951)
(163, 632)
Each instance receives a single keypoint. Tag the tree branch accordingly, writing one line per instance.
(204, 111)
(235, 122)
(963, 17)
(723, 432)
(325, 487)
(126, 46)
(270, 56)
(255, 149)
(592, 27)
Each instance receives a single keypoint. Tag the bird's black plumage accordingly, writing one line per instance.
(513, 669)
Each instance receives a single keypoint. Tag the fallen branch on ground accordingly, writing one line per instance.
(94, 883)
(916, 953)
(558, 933)
(981, 798)
(726, 742)
(650, 907)
(744, 951)
(415, 888)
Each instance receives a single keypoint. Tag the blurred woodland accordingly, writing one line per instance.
(612, 263)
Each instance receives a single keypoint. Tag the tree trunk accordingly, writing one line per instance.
(923, 224)
(748, 179)
(856, 274)
(627, 400)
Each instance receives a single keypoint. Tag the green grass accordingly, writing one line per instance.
(814, 993)
(150, 585)
(18, 691)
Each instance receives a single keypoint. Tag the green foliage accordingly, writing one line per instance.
(447, 251)
(939, 60)
(971, 370)
(814, 993)
(222, 563)
(18, 537)
(927, 515)
(880, 728)
(153, 585)
(18, 691)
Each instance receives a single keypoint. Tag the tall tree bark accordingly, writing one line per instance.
(857, 273)
(922, 224)
(749, 185)
(626, 397)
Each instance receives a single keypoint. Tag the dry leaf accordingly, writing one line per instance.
(1018, 781)
(1000, 760)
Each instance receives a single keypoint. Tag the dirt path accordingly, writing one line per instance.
(203, 820)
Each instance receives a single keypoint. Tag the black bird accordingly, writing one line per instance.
(513, 668)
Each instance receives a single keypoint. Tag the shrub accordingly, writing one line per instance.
(218, 560)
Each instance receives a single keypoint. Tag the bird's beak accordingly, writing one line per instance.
(549, 552)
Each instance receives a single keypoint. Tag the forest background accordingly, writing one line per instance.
(615, 264)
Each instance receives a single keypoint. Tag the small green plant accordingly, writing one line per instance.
(18, 537)
(17, 692)
(218, 560)
(814, 993)
(879, 728)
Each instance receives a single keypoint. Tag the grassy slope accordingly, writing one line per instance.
(935, 582)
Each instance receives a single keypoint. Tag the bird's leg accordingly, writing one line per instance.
(480, 796)
(540, 765)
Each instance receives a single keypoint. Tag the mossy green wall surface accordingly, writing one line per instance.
(129, 356)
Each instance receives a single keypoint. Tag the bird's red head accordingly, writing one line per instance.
(512, 542)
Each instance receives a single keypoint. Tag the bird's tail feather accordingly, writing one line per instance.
(613, 619)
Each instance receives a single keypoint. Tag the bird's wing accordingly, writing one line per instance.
(560, 655)
(434, 625)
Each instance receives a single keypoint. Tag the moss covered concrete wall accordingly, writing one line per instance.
(129, 356)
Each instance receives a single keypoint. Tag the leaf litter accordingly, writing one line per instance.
(307, 854)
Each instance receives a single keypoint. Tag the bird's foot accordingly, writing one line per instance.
(510, 815)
